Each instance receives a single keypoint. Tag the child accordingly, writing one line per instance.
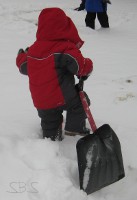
(99, 8)
(51, 63)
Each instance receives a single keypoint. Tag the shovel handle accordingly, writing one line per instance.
(80, 84)
(86, 106)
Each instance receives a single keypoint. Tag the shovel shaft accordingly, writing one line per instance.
(87, 111)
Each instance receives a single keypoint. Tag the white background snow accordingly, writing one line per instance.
(35, 169)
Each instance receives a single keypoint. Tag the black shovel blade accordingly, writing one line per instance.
(100, 161)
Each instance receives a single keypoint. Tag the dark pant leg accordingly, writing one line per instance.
(90, 20)
(51, 121)
(103, 19)
(75, 117)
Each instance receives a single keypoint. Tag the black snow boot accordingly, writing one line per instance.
(54, 135)
(85, 132)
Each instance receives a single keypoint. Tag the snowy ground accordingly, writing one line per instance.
(36, 169)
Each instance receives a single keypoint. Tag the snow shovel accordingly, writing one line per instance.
(100, 161)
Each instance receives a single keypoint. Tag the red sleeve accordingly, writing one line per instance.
(21, 58)
(85, 65)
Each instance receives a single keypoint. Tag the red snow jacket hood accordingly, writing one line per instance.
(54, 25)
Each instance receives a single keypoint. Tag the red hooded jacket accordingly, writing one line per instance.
(53, 60)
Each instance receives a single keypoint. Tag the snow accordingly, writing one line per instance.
(35, 169)
(88, 167)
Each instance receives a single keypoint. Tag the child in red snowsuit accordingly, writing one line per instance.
(51, 63)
